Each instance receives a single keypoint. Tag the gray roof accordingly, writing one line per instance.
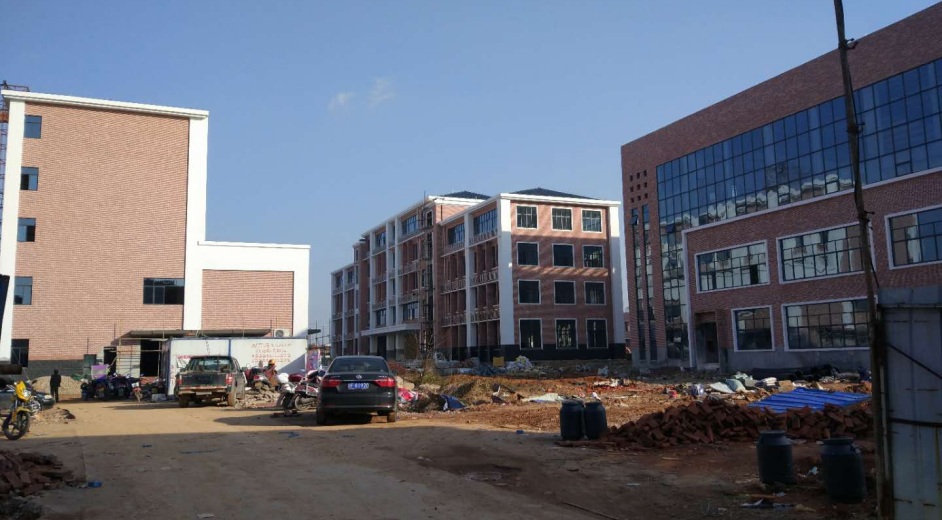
(543, 192)
(466, 195)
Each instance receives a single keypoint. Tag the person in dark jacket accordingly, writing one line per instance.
(54, 382)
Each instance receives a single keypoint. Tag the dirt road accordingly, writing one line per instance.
(160, 461)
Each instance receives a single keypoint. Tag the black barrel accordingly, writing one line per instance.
(570, 420)
(774, 451)
(595, 421)
(844, 478)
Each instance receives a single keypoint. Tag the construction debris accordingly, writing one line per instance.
(29, 473)
(713, 420)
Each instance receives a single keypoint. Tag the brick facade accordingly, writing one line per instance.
(110, 210)
(248, 299)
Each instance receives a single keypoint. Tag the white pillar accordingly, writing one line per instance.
(505, 280)
(618, 269)
(11, 211)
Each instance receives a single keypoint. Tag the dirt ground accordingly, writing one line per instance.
(155, 460)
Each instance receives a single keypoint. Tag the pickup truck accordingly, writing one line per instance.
(210, 377)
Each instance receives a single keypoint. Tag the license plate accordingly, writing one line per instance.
(358, 386)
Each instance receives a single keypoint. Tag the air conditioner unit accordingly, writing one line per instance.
(281, 333)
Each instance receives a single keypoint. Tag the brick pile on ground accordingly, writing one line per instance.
(26, 474)
(54, 415)
(714, 420)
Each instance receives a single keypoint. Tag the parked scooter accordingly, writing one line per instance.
(304, 395)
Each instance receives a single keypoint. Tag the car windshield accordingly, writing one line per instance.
(209, 364)
(346, 366)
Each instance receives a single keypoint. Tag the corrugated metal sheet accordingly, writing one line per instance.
(814, 399)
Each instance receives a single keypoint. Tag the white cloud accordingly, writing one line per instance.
(340, 101)
(381, 92)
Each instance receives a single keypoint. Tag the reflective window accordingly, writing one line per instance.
(565, 292)
(26, 231)
(456, 234)
(592, 220)
(163, 291)
(565, 333)
(19, 352)
(592, 256)
(526, 217)
(562, 255)
(822, 253)
(410, 225)
(23, 290)
(485, 222)
(737, 267)
(33, 128)
(562, 219)
(528, 253)
(29, 178)
(917, 237)
(528, 291)
(530, 334)
(832, 325)
(595, 293)
(596, 334)
(753, 329)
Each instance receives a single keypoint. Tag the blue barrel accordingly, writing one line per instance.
(595, 422)
(842, 464)
(774, 451)
(570, 420)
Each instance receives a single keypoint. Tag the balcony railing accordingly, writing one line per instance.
(481, 237)
(486, 314)
(410, 234)
(349, 312)
(457, 318)
(335, 337)
(486, 277)
(451, 248)
(336, 289)
(380, 278)
(378, 305)
(454, 285)
(349, 335)
(410, 296)
(410, 267)
(336, 315)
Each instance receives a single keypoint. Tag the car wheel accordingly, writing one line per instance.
(184, 401)
(231, 398)
(392, 416)
(320, 417)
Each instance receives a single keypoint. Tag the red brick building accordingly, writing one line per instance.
(534, 272)
(744, 245)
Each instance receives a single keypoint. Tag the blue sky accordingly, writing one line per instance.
(328, 117)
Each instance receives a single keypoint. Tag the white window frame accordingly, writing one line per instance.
(520, 332)
(601, 221)
(888, 232)
(583, 256)
(516, 217)
(784, 317)
(571, 246)
(575, 333)
(696, 266)
(553, 220)
(732, 314)
(604, 320)
(517, 251)
(539, 291)
(585, 292)
(780, 258)
(575, 297)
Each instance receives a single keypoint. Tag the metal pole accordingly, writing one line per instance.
(874, 330)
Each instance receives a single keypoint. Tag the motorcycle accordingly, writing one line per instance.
(16, 422)
(304, 395)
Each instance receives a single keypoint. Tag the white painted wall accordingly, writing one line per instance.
(616, 247)
(11, 211)
(505, 281)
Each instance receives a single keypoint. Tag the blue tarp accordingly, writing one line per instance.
(814, 399)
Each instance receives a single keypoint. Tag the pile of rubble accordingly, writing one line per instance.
(713, 420)
(54, 415)
(28, 473)
(68, 387)
(263, 398)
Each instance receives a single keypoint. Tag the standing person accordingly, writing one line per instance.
(272, 374)
(54, 382)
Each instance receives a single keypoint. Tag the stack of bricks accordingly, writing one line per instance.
(709, 421)
(28, 473)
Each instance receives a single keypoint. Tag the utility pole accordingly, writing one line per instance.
(875, 328)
